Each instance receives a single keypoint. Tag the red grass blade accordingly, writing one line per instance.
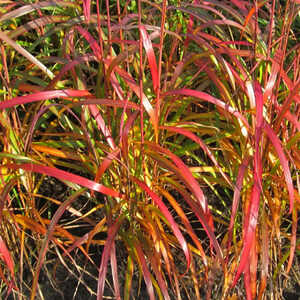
(252, 214)
(106, 163)
(196, 139)
(236, 197)
(68, 66)
(264, 258)
(48, 237)
(186, 175)
(146, 103)
(250, 226)
(253, 268)
(169, 218)
(92, 42)
(114, 270)
(211, 99)
(284, 162)
(247, 282)
(151, 56)
(145, 270)
(87, 9)
(40, 96)
(273, 74)
(101, 125)
(111, 235)
(6, 257)
(63, 175)
(258, 132)
(197, 210)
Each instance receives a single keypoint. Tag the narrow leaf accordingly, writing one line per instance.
(64, 175)
(111, 235)
(211, 99)
(169, 218)
(40, 96)
(6, 257)
(26, 54)
(284, 162)
(250, 227)
(150, 55)
(145, 270)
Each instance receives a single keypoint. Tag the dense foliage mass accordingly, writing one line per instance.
(154, 143)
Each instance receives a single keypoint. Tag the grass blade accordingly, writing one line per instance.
(211, 99)
(26, 54)
(169, 218)
(284, 162)
(111, 235)
(151, 56)
(64, 175)
(40, 96)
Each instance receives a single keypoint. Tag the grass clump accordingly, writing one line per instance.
(150, 140)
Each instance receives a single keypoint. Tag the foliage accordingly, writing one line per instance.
(174, 127)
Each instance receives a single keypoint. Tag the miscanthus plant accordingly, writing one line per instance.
(174, 127)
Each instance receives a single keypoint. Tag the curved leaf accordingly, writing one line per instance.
(40, 96)
(150, 55)
(169, 218)
(64, 175)
(284, 162)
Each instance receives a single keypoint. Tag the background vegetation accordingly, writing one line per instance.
(152, 144)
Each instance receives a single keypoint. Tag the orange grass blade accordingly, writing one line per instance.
(56, 152)
(253, 268)
(49, 236)
(250, 14)
(197, 210)
(186, 222)
(186, 175)
(169, 218)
